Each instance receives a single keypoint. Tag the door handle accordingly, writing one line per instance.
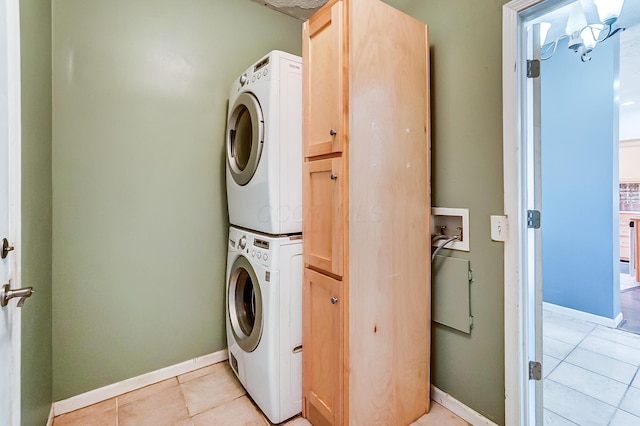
(7, 294)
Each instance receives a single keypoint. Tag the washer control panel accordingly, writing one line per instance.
(254, 247)
(260, 249)
(255, 73)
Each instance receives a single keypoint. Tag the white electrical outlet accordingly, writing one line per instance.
(499, 228)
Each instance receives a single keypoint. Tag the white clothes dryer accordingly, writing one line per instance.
(264, 319)
(264, 146)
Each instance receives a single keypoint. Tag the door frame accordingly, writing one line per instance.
(516, 322)
(14, 122)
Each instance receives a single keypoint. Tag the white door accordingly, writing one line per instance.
(522, 186)
(532, 236)
(9, 169)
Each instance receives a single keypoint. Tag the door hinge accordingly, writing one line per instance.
(533, 219)
(533, 68)
(535, 370)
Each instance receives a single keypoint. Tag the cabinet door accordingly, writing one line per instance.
(322, 221)
(323, 81)
(322, 342)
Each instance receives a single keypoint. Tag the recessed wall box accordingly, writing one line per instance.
(450, 222)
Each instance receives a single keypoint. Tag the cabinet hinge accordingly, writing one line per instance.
(470, 321)
(533, 68)
(535, 370)
(470, 276)
(533, 219)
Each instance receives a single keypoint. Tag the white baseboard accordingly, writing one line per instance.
(128, 385)
(459, 409)
(50, 418)
(584, 316)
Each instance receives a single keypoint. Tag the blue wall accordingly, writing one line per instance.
(580, 251)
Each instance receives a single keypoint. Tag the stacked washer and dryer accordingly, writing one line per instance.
(264, 262)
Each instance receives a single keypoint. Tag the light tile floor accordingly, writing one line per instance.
(590, 373)
(210, 396)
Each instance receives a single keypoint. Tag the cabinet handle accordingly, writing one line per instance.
(334, 300)
(333, 132)
(334, 176)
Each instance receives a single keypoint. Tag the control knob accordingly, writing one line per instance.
(242, 243)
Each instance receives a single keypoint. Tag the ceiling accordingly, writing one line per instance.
(301, 9)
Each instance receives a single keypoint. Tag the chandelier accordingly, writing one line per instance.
(583, 36)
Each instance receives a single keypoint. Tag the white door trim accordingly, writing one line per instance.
(15, 132)
(516, 354)
(15, 172)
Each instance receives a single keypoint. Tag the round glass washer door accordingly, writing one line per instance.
(244, 301)
(244, 138)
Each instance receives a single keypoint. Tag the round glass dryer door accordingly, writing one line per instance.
(244, 138)
(244, 302)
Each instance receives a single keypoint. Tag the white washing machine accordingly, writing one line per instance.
(264, 319)
(264, 146)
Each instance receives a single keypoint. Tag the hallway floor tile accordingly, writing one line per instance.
(590, 373)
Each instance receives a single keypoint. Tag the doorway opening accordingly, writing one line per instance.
(561, 150)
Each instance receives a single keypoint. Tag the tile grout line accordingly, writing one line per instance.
(565, 361)
(607, 356)
(599, 374)
(628, 386)
(184, 398)
(582, 393)
(611, 341)
(620, 403)
(561, 416)
(624, 332)
(617, 407)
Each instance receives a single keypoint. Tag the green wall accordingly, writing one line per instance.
(466, 112)
(140, 92)
(36, 369)
(139, 232)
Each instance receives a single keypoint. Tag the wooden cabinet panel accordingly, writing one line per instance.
(624, 253)
(636, 230)
(322, 340)
(322, 224)
(624, 234)
(366, 203)
(323, 83)
(629, 160)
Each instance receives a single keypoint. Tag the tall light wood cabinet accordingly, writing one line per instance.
(366, 199)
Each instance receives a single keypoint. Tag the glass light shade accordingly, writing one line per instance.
(608, 10)
(590, 34)
(544, 30)
(577, 21)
